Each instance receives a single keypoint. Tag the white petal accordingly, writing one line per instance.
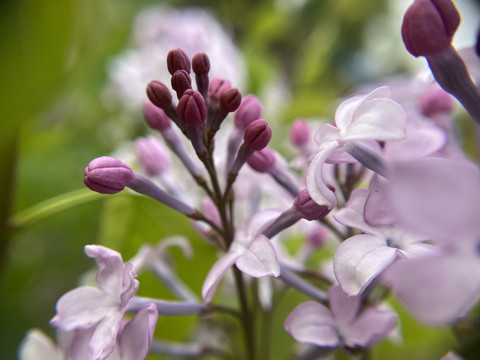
(260, 259)
(217, 271)
(38, 346)
(104, 337)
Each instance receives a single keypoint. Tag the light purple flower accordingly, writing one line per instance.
(345, 324)
(251, 251)
(87, 306)
(361, 118)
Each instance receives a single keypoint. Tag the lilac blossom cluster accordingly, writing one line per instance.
(387, 182)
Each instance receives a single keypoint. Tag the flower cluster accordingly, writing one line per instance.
(386, 184)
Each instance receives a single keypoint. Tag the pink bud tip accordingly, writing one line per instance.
(217, 87)
(181, 81)
(299, 132)
(230, 99)
(249, 110)
(156, 117)
(309, 209)
(257, 135)
(436, 101)
(159, 94)
(263, 160)
(107, 175)
(152, 155)
(429, 25)
(191, 108)
(177, 60)
(201, 64)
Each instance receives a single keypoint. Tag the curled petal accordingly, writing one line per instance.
(260, 259)
(104, 337)
(216, 273)
(352, 214)
(110, 268)
(312, 323)
(129, 284)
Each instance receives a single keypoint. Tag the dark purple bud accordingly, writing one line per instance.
(477, 45)
(180, 82)
(177, 60)
(263, 160)
(191, 108)
(217, 87)
(257, 135)
(436, 101)
(249, 110)
(201, 64)
(156, 117)
(309, 209)
(429, 25)
(107, 175)
(230, 99)
(299, 133)
(159, 94)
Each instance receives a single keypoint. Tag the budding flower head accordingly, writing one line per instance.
(177, 60)
(257, 135)
(201, 63)
(299, 132)
(191, 108)
(263, 160)
(156, 117)
(107, 175)
(217, 87)
(230, 99)
(309, 209)
(429, 25)
(249, 110)
(159, 94)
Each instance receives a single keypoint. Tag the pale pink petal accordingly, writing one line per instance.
(325, 134)
(437, 197)
(129, 284)
(344, 307)
(359, 259)
(81, 308)
(78, 348)
(217, 271)
(377, 210)
(316, 186)
(38, 346)
(371, 326)
(346, 110)
(260, 259)
(110, 268)
(352, 214)
(261, 220)
(439, 289)
(312, 323)
(135, 339)
(104, 337)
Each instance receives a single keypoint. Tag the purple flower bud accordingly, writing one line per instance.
(309, 209)
(159, 94)
(201, 64)
(263, 160)
(299, 133)
(107, 175)
(436, 101)
(217, 87)
(153, 157)
(177, 60)
(429, 25)
(156, 117)
(477, 45)
(249, 110)
(230, 99)
(257, 135)
(317, 237)
(191, 108)
(180, 82)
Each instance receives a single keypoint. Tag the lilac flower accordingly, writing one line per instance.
(439, 198)
(345, 324)
(364, 117)
(87, 306)
(251, 251)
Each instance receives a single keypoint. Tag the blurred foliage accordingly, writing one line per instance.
(53, 69)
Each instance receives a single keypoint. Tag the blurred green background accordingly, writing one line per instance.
(53, 68)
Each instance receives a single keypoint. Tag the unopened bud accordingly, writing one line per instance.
(191, 108)
(308, 208)
(230, 99)
(217, 87)
(177, 59)
(159, 94)
(180, 82)
(156, 117)
(263, 160)
(299, 133)
(152, 155)
(257, 135)
(249, 110)
(201, 64)
(436, 101)
(429, 25)
(107, 175)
